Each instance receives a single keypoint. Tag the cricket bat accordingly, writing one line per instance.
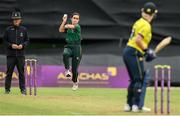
(165, 42)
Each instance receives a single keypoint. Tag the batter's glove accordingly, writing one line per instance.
(150, 55)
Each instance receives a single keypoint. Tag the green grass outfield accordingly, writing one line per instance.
(85, 101)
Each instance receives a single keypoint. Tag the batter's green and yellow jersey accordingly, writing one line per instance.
(143, 28)
(73, 36)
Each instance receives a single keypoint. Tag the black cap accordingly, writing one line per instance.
(150, 8)
(16, 15)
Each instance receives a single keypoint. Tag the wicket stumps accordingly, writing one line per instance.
(31, 68)
(162, 72)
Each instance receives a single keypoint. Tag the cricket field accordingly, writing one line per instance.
(85, 101)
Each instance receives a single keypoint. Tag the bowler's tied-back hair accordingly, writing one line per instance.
(75, 13)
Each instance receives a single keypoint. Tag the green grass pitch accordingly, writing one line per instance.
(85, 101)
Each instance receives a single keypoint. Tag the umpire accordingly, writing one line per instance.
(15, 39)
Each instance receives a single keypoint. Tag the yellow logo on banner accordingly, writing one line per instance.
(28, 69)
(61, 76)
(3, 75)
(112, 71)
(15, 75)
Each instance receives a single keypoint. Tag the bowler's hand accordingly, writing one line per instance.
(64, 18)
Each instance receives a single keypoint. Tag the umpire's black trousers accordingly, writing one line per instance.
(19, 62)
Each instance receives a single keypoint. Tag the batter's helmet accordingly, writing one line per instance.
(150, 8)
